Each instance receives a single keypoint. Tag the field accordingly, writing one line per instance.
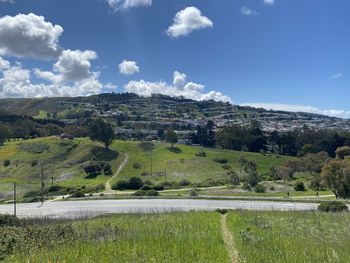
(60, 159)
(291, 236)
(182, 162)
(185, 237)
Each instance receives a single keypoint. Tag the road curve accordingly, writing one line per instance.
(87, 208)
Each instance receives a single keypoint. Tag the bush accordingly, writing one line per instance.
(151, 193)
(34, 163)
(194, 192)
(222, 211)
(137, 166)
(259, 188)
(221, 160)
(107, 169)
(7, 163)
(300, 187)
(9, 220)
(184, 182)
(139, 193)
(100, 187)
(78, 194)
(334, 206)
(246, 186)
(134, 183)
(201, 154)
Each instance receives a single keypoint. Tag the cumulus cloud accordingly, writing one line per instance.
(180, 87)
(128, 67)
(68, 78)
(188, 20)
(300, 108)
(117, 5)
(269, 2)
(4, 64)
(29, 36)
(247, 11)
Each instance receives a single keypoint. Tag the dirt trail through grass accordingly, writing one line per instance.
(121, 167)
(229, 241)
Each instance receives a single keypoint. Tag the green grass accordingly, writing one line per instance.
(291, 236)
(177, 237)
(41, 115)
(184, 164)
(61, 159)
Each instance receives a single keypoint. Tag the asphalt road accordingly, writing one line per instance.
(87, 208)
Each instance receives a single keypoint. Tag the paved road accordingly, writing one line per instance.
(76, 209)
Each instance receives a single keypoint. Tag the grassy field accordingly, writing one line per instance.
(291, 236)
(182, 163)
(177, 237)
(190, 237)
(61, 159)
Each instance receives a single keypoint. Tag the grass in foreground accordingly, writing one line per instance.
(291, 236)
(177, 237)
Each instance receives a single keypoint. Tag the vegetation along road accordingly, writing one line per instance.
(76, 209)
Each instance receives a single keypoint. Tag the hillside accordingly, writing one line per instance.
(182, 163)
(132, 112)
(62, 160)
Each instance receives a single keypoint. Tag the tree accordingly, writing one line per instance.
(341, 152)
(171, 137)
(99, 130)
(336, 176)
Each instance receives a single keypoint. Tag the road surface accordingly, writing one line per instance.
(89, 208)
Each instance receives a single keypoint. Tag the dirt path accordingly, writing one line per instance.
(121, 167)
(229, 241)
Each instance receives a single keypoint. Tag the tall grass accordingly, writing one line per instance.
(291, 236)
(177, 237)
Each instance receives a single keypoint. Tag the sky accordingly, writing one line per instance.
(277, 54)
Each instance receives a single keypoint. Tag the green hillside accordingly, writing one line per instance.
(60, 159)
(182, 163)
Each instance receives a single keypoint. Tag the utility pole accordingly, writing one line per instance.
(52, 171)
(165, 175)
(42, 185)
(151, 162)
(14, 199)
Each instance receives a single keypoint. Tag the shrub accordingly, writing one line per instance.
(134, 183)
(272, 188)
(194, 192)
(259, 188)
(158, 187)
(107, 169)
(139, 193)
(55, 188)
(137, 166)
(222, 211)
(201, 154)
(246, 186)
(221, 160)
(100, 187)
(78, 194)
(151, 193)
(92, 168)
(9, 220)
(334, 206)
(300, 187)
(121, 185)
(7, 163)
(184, 182)
(34, 163)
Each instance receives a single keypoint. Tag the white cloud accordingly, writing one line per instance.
(128, 67)
(188, 20)
(68, 78)
(117, 5)
(300, 108)
(29, 36)
(337, 76)
(269, 2)
(4, 64)
(180, 87)
(247, 11)
(109, 87)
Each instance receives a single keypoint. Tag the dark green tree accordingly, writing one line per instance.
(171, 137)
(99, 130)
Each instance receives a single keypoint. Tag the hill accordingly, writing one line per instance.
(61, 160)
(134, 112)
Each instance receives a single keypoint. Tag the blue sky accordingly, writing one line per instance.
(281, 54)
